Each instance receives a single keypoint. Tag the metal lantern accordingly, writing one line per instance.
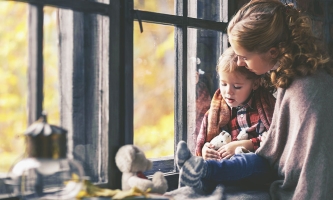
(46, 141)
(46, 173)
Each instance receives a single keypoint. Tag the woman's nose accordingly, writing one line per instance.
(240, 62)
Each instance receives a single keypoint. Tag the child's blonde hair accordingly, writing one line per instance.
(263, 24)
(228, 63)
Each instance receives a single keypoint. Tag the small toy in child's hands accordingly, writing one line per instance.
(132, 162)
(243, 135)
(221, 139)
(224, 138)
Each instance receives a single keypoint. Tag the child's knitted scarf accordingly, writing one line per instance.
(219, 113)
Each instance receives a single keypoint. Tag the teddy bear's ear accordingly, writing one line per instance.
(125, 157)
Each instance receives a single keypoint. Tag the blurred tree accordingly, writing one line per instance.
(13, 77)
(154, 83)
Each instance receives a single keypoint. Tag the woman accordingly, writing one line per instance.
(269, 36)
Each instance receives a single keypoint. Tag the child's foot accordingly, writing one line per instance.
(191, 172)
(191, 167)
(182, 154)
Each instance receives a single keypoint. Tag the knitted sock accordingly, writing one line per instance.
(192, 168)
(182, 154)
(192, 172)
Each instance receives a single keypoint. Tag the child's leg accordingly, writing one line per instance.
(239, 167)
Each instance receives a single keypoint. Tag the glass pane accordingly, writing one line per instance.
(214, 10)
(13, 81)
(154, 78)
(203, 53)
(51, 70)
(160, 6)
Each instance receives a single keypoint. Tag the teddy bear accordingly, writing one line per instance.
(242, 135)
(221, 139)
(132, 162)
(224, 138)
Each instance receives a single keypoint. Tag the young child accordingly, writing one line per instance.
(241, 102)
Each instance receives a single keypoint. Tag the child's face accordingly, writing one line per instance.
(236, 88)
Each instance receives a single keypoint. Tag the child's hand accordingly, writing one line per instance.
(228, 150)
(208, 152)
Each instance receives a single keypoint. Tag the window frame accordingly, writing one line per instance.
(122, 16)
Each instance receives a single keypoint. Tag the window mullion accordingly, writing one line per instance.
(115, 86)
(35, 67)
(181, 76)
(126, 86)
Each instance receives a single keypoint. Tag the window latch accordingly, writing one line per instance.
(137, 14)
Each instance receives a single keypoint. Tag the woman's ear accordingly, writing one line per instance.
(273, 52)
(256, 84)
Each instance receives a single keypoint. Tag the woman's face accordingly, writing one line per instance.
(255, 62)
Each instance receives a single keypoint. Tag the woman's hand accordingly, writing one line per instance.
(208, 152)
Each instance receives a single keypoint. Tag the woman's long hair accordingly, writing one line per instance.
(263, 24)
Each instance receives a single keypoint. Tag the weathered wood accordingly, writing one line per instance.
(71, 67)
(126, 73)
(164, 164)
(35, 66)
(113, 94)
(97, 88)
(104, 106)
(206, 24)
(159, 18)
(177, 20)
(181, 77)
(191, 79)
(80, 88)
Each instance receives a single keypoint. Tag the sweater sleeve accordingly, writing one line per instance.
(299, 141)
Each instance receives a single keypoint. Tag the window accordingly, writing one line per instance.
(100, 73)
(154, 86)
(198, 41)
